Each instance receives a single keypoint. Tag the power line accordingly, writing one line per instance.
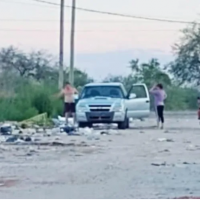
(120, 15)
(23, 3)
(42, 30)
(108, 13)
(67, 21)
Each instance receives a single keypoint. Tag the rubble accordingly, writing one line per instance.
(6, 129)
(157, 164)
(40, 119)
(165, 140)
(192, 147)
(187, 197)
(29, 132)
(165, 150)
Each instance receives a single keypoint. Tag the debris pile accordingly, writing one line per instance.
(187, 197)
(30, 132)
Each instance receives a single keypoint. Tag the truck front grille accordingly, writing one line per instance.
(99, 108)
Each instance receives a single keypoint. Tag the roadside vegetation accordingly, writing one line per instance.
(29, 80)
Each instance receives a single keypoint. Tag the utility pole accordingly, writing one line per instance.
(61, 71)
(71, 73)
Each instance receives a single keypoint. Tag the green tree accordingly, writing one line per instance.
(186, 66)
(37, 65)
(29, 84)
(80, 77)
(149, 73)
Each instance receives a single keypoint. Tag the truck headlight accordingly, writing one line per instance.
(118, 107)
(82, 108)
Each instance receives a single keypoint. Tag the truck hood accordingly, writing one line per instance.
(100, 101)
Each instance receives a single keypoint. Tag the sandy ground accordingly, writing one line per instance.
(135, 163)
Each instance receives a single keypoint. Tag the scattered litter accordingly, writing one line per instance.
(24, 126)
(192, 147)
(57, 143)
(170, 131)
(169, 140)
(73, 134)
(62, 120)
(56, 122)
(187, 163)
(68, 129)
(16, 132)
(165, 140)
(165, 150)
(38, 119)
(2, 139)
(12, 139)
(159, 164)
(105, 126)
(104, 133)
(90, 133)
(18, 139)
(26, 139)
(6, 129)
(187, 197)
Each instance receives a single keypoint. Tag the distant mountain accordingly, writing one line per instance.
(99, 65)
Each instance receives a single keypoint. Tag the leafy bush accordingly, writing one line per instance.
(29, 100)
(29, 83)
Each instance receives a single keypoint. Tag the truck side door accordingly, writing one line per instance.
(138, 102)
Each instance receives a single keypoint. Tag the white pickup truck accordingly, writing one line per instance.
(111, 103)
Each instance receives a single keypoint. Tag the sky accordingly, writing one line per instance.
(104, 44)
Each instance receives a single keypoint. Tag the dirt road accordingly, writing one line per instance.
(141, 162)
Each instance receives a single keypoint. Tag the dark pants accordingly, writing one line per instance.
(199, 114)
(69, 108)
(160, 110)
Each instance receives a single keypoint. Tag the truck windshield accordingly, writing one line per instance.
(102, 91)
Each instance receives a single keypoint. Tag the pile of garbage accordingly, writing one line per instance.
(60, 122)
(72, 129)
(28, 132)
(11, 133)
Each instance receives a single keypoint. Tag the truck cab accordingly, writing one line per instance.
(111, 103)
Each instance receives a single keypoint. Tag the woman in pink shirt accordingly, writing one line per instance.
(159, 97)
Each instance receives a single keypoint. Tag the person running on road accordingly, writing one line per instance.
(159, 97)
(69, 103)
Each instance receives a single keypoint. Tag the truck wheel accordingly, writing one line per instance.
(84, 124)
(124, 124)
